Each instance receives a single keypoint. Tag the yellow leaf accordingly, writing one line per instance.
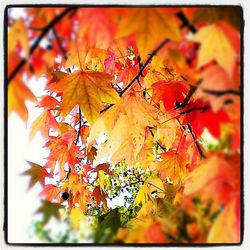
(76, 216)
(142, 195)
(202, 175)
(155, 188)
(125, 125)
(18, 34)
(215, 45)
(89, 89)
(166, 134)
(149, 25)
(90, 58)
(103, 180)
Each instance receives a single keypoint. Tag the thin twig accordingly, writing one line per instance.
(192, 90)
(158, 144)
(79, 129)
(59, 42)
(202, 109)
(195, 141)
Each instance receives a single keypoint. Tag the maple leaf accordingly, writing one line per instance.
(142, 195)
(166, 134)
(88, 89)
(154, 234)
(18, 34)
(215, 45)
(215, 78)
(49, 210)
(217, 177)
(148, 25)
(155, 188)
(133, 114)
(173, 165)
(44, 123)
(87, 58)
(99, 196)
(200, 116)
(226, 228)
(63, 150)
(75, 184)
(18, 93)
(37, 174)
(50, 192)
(95, 26)
(169, 92)
(91, 154)
(103, 180)
(84, 131)
(76, 216)
(48, 102)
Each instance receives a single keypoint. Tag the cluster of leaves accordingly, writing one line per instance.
(129, 94)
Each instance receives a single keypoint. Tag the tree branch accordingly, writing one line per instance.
(152, 54)
(185, 22)
(158, 144)
(37, 42)
(202, 109)
(192, 90)
(79, 129)
(142, 67)
(195, 141)
(221, 92)
(59, 43)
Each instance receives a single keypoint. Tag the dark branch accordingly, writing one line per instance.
(195, 141)
(79, 129)
(158, 144)
(192, 90)
(59, 43)
(37, 42)
(185, 22)
(202, 109)
(221, 92)
(152, 54)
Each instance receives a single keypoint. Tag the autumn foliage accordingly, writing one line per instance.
(131, 96)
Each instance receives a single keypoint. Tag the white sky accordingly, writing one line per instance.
(23, 203)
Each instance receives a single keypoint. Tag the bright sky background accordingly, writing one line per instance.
(21, 202)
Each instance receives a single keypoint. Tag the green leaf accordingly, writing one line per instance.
(49, 210)
(108, 225)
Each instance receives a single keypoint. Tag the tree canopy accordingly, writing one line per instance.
(131, 97)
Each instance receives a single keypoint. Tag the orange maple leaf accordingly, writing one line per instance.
(18, 93)
(44, 123)
(149, 25)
